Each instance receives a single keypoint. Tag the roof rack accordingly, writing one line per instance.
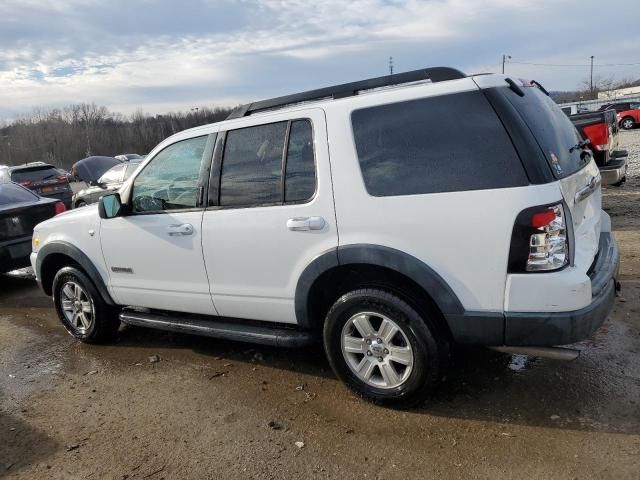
(435, 74)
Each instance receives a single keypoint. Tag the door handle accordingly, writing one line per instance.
(180, 229)
(301, 224)
(587, 190)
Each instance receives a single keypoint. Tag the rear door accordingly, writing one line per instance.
(577, 173)
(271, 213)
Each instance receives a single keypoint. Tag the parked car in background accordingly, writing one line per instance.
(110, 181)
(601, 130)
(620, 106)
(20, 211)
(91, 169)
(629, 119)
(42, 178)
(127, 157)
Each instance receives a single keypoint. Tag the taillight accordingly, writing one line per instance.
(60, 208)
(25, 183)
(599, 136)
(62, 178)
(539, 240)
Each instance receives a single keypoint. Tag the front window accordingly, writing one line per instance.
(170, 180)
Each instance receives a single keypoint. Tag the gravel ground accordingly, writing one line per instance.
(630, 140)
(156, 405)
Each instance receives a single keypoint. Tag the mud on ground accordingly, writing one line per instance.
(158, 405)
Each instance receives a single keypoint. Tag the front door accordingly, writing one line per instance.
(154, 254)
(273, 213)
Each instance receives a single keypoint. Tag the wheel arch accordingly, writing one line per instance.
(370, 263)
(57, 254)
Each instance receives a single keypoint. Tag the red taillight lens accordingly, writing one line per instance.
(598, 134)
(60, 208)
(62, 178)
(542, 219)
(25, 183)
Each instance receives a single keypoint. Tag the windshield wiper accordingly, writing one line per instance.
(580, 145)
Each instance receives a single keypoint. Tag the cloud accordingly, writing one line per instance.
(139, 54)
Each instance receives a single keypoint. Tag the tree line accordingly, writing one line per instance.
(63, 136)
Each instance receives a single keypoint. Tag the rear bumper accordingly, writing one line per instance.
(14, 254)
(614, 171)
(561, 328)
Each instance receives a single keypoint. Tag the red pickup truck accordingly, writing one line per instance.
(601, 129)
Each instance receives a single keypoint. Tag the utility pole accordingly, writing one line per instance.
(504, 59)
(591, 81)
(8, 147)
(390, 65)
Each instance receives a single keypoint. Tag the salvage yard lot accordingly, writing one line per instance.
(160, 405)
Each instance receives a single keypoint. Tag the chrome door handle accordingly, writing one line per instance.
(301, 224)
(180, 229)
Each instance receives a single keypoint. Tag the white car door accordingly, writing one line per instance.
(272, 213)
(154, 252)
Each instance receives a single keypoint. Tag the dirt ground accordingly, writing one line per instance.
(157, 405)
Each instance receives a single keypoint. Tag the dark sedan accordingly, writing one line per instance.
(110, 181)
(20, 211)
(42, 178)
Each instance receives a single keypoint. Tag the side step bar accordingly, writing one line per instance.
(238, 330)
(555, 353)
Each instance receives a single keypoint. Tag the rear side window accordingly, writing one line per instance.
(439, 144)
(553, 131)
(300, 175)
(10, 193)
(252, 166)
(114, 175)
(37, 174)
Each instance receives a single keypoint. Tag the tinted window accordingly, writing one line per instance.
(252, 165)
(10, 193)
(36, 174)
(113, 175)
(170, 180)
(553, 131)
(440, 144)
(300, 183)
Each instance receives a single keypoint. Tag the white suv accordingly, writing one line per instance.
(388, 217)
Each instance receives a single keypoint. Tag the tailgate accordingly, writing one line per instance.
(583, 196)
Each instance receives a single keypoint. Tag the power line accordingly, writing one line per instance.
(575, 64)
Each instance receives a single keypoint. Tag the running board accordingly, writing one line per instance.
(555, 353)
(226, 329)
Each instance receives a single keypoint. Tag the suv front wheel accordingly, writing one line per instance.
(382, 348)
(81, 309)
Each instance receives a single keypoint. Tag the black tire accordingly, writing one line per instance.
(81, 204)
(104, 318)
(428, 344)
(627, 123)
(620, 183)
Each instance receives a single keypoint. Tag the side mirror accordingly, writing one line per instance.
(110, 206)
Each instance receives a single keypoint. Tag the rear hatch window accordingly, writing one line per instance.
(35, 174)
(10, 194)
(551, 128)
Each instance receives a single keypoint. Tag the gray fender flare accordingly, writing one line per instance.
(78, 256)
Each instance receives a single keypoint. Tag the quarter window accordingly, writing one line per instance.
(170, 180)
(252, 166)
(440, 144)
(300, 178)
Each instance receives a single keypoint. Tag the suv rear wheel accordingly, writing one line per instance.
(81, 309)
(382, 348)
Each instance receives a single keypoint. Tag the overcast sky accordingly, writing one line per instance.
(174, 55)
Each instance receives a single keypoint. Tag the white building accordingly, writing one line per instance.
(618, 94)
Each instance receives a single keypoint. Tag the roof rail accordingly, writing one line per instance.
(435, 74)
